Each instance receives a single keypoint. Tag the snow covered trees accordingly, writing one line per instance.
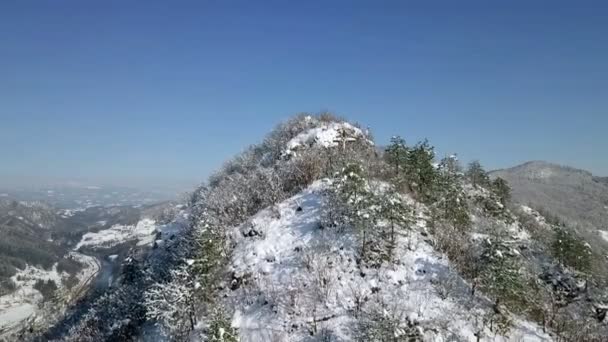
(399, 215)
(501, 188)
(570, 250)
(396, 155)
(376, 211)
(450, 199)
(477, 175)
(500, 275)
(220, 329)
(356, 201)
(172, 304)
(412, 166)
(210, 254)
(422, 174)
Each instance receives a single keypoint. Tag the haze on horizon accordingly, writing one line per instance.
(158, 95)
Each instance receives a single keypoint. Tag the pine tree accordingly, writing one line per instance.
(571, 250)
(477, 175)
(220, 329)
(422, 173)
(351, 189)
(451, 205)
(397, 154)
(398, 213)
(501, 188)
(211, 254)
(500, 274)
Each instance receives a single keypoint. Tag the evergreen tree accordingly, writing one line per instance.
(422, 172)
(500, 275)
(501, 188)
(211, 254)
(477, 175)
(220, 329)
(451, 205)
(449, 168)
(397, 154)
(571, 250)
(398, 214)
(351, 189)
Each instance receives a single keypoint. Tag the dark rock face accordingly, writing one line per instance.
(565, 285)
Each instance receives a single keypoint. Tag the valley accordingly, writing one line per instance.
(89, 246)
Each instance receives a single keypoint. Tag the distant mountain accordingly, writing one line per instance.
(574, 195)
(86, 196)
(603, 180)
(26, 233)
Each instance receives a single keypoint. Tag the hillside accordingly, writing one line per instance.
(315, 234)
(26, 230)
(573, 196)
(50, 257)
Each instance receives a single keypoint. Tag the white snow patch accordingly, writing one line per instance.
(604, 234)
(328, 135)
(143, 231)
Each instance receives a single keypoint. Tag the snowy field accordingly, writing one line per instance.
(292, 277)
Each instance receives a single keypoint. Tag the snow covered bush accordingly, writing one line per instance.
(220, 329)
(172, 304)
(384, 323)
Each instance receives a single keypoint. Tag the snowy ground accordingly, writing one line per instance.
(25, 303)
(143, 231)
(295, 277)
(327, 135)
(604, 234)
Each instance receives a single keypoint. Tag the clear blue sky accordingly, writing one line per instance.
(138, 92)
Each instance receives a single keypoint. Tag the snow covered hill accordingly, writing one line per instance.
(295, 279)
(27, 303)
(316, 235)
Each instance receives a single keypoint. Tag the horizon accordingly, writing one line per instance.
(116, 94)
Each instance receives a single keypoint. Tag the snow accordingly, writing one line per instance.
(327, 135)
(143, 231)
(3, 195)
(297, 273)
(540, 219)
(24, 303)
(66, 213)
(604, 234)
(15, 314)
